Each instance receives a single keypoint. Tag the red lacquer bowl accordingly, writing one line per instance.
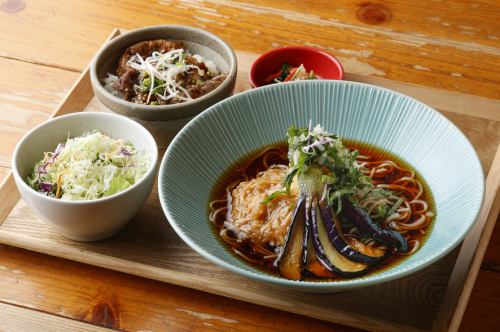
(324, 65)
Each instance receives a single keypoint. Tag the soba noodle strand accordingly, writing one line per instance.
(402, 192)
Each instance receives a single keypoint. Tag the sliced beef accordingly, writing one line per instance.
(145, 49)
(126, 81)
(199, 90)
(197, 85)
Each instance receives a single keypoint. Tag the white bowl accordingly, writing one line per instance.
(84, 220)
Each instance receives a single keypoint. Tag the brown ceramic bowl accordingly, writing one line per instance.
(196, 40)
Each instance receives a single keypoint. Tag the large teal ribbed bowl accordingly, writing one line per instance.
(222, 134)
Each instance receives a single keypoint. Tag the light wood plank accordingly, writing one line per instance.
(484, 135)
(25, 105)
(7, 199)
(15, 318)
(81, 91)
(9, 195)
(4, 171)
(414, 45)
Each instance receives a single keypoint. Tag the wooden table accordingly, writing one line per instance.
(46, 44)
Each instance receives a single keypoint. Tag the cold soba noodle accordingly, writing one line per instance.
(315, 207)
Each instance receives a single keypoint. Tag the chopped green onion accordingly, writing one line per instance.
(395, 206)
(382, 211)
(273, 196)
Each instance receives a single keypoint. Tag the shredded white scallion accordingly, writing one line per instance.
(166, 68)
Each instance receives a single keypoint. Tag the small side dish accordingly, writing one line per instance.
(162, 72)
(164, 81)
(293, 63)
(290, 73)
(90, 185)
(88, 167)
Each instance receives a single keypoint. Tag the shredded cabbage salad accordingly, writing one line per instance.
(88, 167)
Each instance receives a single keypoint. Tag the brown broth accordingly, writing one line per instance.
(253, 166)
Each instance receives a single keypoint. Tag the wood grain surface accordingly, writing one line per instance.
(163, 256)
(439, 44)
(116, 300)
(19, 319)
(3, 172)
(399, 40)
(26, 105)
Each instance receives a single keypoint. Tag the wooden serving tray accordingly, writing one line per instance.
(432, 299)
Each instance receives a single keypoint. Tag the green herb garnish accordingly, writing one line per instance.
(323, 165)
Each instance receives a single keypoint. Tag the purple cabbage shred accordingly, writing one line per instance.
(46, 187)
(124, 152)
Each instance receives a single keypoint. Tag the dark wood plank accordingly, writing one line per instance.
(491, 261)
(483, 307)
(121, 301)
